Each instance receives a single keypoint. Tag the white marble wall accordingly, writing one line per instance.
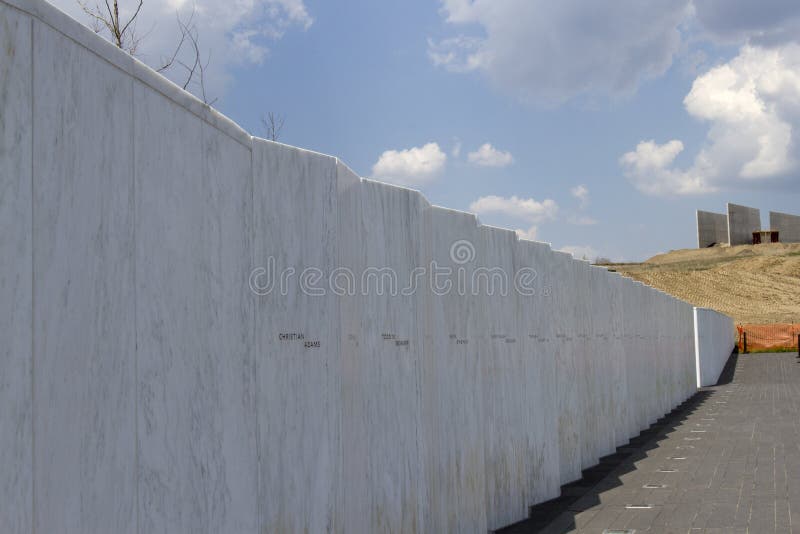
(714, 341)
(497, 345)
(452, 388)
(298, 351)
(83, 289)
(568, 365)
(537, 351)
(16, 308)
(197, 427)
(150, 390)
(388, 405)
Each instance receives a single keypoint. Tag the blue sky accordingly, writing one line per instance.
(599, 127)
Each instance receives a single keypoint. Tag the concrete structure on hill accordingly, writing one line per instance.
(788, 226)
(742, 222)
(738, 225)
(712, 229)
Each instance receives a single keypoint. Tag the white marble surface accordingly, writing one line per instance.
(587, 371)
(714, 342)
(600, 353)
(616, 347)
(16, 438)
(451, 388)
(84, 338)
(169, 398)
(352, 452)
(196, 371)
(296, 218)
(565, 296)
(537, 352)
(388, 490)
(503, 454)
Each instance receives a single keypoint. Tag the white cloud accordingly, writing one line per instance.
(649, 169)
(526, 209)
(544, 50)
(581, 192)
(581, 252)
(529, 234)
(231, 33)
(489, 156)
(413, 166)
(752, 104)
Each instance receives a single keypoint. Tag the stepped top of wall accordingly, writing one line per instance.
(59, 21)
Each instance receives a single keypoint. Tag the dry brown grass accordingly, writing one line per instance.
(752, 284)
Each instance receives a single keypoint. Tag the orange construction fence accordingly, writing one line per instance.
(765, 337)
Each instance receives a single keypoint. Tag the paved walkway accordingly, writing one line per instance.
(728, 460)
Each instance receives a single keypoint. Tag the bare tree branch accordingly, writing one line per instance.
(136, 14)
(183, 29)
(124, 35)
(273, 124)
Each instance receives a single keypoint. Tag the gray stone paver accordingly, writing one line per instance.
(731, 465)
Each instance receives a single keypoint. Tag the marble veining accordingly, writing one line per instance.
(16, 307)
(298, 384)
(84, 399)
(196, 375)
(151, 390)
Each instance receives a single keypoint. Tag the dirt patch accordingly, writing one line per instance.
(751, 283)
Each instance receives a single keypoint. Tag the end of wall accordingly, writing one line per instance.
(713, 344)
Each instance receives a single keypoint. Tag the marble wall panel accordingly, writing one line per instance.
(387, 491)
(84, 292)
(451, 383)
(533, 271)
(297, 326)
(16, 266)
(194, 315)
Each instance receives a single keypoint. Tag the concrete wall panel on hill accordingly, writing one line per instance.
(712, 228)
(16, 265)
(788, 226)
(742, 222)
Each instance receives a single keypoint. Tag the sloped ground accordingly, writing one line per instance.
(752, 284)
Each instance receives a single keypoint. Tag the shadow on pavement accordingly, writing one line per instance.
(585, 493)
